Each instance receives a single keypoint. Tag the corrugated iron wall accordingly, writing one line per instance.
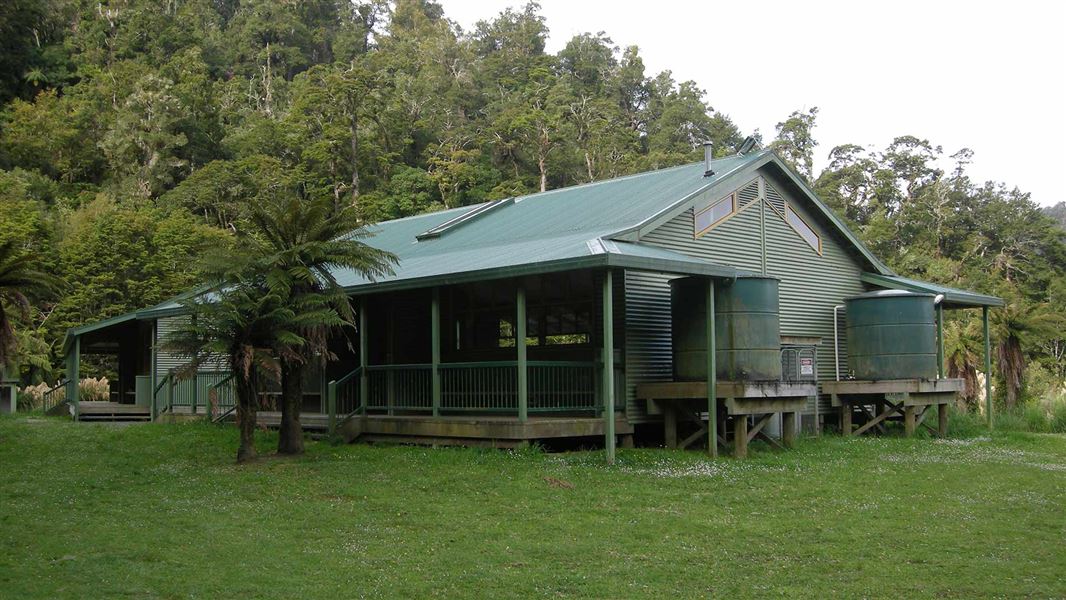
(647, 348)
(165, 360)
(810, 284)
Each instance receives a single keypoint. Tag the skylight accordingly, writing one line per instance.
(466, 217)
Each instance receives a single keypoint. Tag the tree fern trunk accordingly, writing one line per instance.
(246, 418)
(291, 436)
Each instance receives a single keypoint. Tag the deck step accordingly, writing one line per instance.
(120, 417)
(351, 430)
(113, 411)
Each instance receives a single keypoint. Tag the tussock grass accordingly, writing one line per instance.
(1038, 416)
(161, 511)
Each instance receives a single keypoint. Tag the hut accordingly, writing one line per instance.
(542, 316)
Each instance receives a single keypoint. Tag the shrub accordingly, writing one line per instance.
(90, 389)
(30, 397)
(94, 389)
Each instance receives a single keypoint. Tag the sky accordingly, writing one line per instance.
(989, 76)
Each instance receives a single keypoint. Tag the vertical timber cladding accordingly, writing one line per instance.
(811, 284)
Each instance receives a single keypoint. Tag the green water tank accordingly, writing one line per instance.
(747, 329)
(891, 334)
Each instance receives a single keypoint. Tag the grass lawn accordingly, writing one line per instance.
(161, 511)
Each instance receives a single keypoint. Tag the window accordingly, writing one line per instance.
(803, 229)
(507, 336)
(715, 214)
(563, 325)
(559, 312)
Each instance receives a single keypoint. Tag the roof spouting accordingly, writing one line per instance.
(953, 297)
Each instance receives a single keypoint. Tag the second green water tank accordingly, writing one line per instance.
(891, 335)
(747, 329)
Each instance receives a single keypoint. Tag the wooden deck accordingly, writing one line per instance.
(112, 411)
(740, 397)
(472, 430)
(893, 386)
(309, 421)
(667, 390)
(467, 430)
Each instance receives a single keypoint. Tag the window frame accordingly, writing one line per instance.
(732, 198)
(791, 211)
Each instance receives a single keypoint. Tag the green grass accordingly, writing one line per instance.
(162, 511)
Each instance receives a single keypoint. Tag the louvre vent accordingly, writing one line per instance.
(774, 199)
(799, 363)
(748, 194)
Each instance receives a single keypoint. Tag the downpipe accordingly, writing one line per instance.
(836, 340)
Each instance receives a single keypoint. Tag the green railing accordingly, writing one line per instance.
(344, 393)
(162, 405)
(565, 386)
(553, 386)
(191, 392)
(221, 399)
(343, 397)
(487, 387)
(479, 386)
(399, 387)
(53, 396)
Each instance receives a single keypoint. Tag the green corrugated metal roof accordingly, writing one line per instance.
(555, 230)
(952, 296)
(531, 230)
(83, 329)
(165, 308)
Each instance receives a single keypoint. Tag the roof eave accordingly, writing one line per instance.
(602, 260)
(953, 298)
(73, 332)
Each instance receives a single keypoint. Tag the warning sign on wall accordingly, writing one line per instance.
(806, 366)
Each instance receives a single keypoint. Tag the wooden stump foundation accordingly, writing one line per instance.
(682, 402)
(909, 400)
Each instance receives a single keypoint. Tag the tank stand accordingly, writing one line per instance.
(744, 435)
(681, 401)
(680, 412)
(911, 400)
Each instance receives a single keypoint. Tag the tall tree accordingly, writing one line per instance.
(145, 142)
(795, 141)
(53, 135)
(119, 257)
